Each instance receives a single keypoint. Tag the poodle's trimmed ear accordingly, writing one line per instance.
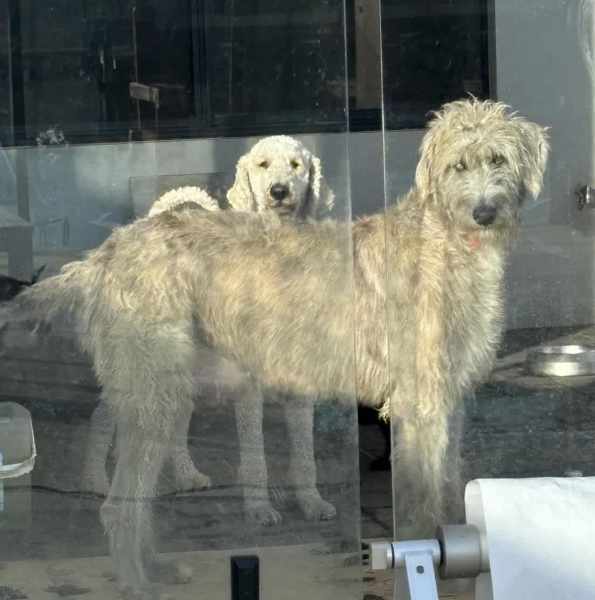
(535, 150)
(239, 195)
(320, 198)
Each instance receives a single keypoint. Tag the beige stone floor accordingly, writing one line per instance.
(378, 585)
(287, 573)
(327, 578)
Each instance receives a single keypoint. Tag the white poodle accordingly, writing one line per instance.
(279, 173)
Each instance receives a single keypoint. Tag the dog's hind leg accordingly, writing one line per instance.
(187, 476)
(126, 512)
(146, 371)
(142, 447)
(253, 471)
(302, 466)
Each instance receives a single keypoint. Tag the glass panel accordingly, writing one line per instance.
(91, 68)
(471, 399)
(176, 385)
(309, 80)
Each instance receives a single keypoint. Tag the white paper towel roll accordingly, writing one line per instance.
(540, 535)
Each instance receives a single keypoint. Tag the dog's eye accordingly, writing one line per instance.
(294, 164)
(498, 160)
(264, 164)
(461, 166)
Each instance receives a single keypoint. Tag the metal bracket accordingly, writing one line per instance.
(458, 551)
(421, 576)
(419, 559)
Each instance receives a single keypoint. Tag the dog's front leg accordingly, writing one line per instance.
(253, 470)
(455, 486)
(428, 396)
(302, 465)
(420, 472)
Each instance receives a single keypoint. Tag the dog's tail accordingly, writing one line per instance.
(57, 296)
(42, 307)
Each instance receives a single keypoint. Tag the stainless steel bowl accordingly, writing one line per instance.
(561, 361)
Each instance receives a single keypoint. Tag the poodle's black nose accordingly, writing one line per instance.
(484, 214)
(279, 191)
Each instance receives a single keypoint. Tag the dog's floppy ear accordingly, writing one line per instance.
(423, 172)
(320, 199)
(240, 195)
(535, 148)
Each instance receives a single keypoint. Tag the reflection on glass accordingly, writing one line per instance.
(186, 428)
(143, 69)
(433, 52)
(521, 417)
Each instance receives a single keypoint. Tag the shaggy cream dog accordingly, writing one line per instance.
(222, 298)
(278, 175)
(102, 426)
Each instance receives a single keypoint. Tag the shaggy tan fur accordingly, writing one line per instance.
(278, 175)
(102, 426)
(171, 303)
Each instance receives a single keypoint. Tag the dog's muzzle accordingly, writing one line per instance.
(282, 201)
(279, 192)
(484, 214)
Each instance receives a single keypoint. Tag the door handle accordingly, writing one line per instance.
(585, 197)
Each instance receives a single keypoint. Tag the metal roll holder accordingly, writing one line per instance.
(457, 552)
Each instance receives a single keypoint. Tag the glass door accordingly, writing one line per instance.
(488, 158)
(177, 399)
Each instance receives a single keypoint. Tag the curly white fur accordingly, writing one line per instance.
(183, 195)
(279, 173)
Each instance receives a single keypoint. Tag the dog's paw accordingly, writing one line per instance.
(128, 592)
(169, 571)
(315, 508)
(148, 592)
(262, 513)
(192, 479)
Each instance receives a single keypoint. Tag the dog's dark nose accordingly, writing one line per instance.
(279, 191)
(484, 214)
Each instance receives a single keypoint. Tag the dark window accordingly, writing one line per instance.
(109, 70)
(274, 63)
(434, 51)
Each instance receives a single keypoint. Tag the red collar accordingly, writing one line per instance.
(473, 241)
